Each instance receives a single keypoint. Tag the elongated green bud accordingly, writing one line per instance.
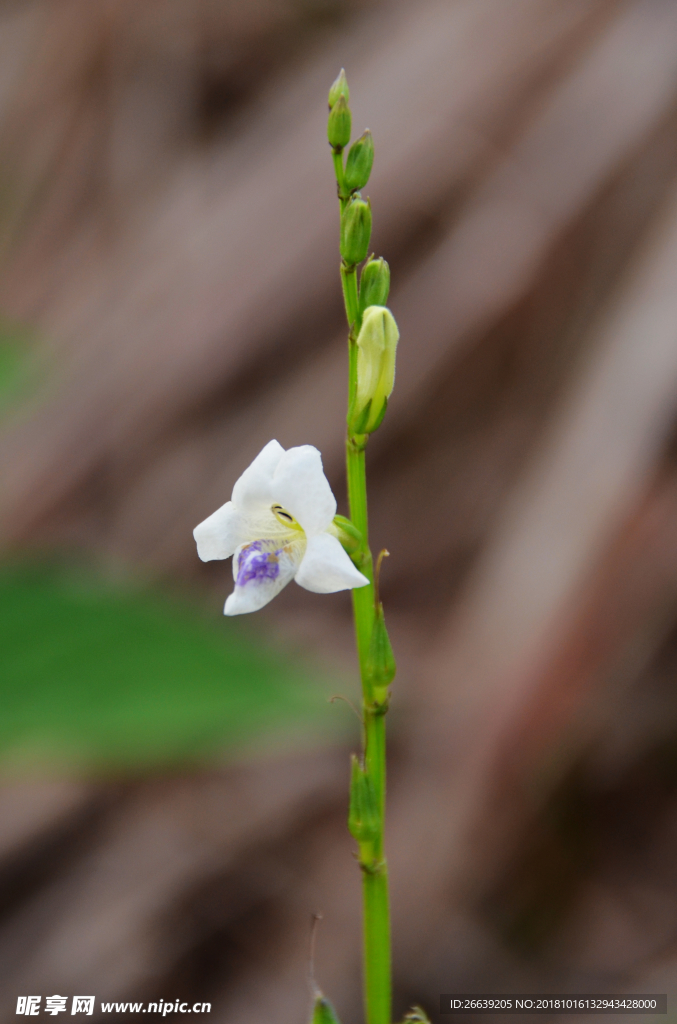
(355, 231)
(381, 665)
(349, 536)
(339, 124)
(339, 87)
(374, 283)
(376, 347)
(363, 815)
(359, 162)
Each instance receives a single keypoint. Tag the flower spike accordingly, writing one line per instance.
(372, 341)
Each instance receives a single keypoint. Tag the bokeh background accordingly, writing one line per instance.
(173, 785)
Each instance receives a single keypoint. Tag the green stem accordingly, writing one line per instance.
(363, 597)
(351, 300)
(376, 944)
(337, 157)
(374, 869)
(372, 861)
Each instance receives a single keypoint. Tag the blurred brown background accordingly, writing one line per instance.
(168, 231)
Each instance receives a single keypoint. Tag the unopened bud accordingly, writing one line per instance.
(374, 283)
(339, 87)
(355, 231)
(363, 815)
(376, 347)
(339, 124)
(359, 162)
(381, 665)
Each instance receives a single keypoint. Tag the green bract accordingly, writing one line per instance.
(324, 1012)
(382, 666)
(363, 816)
(349, 537)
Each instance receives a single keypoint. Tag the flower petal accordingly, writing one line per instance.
(300, 486)
(326, 567)
(261, 569)
(219, 534)
(252, 490)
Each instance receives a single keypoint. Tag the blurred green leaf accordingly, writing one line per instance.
(97, 676)
(16, 374)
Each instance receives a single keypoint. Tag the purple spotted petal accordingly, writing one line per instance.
(255, 564)
(261, 569)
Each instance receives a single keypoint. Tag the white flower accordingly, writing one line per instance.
(278, 527)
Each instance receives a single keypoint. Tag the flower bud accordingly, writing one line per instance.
(355, 231)
(374, 283)
(363, 815)
(376, 347)
(339, 87)
(359, 162)
(381, 665)
(339, 124)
